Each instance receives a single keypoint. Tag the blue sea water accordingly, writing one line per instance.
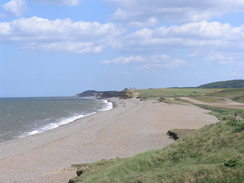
(21, 117)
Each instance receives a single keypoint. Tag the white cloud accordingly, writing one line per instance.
(62, 2)
(148, 61)
(195, 39)
(220, 58)
(60, 34)
(124, 60)
(71, 2)
(223, 57)
(66, 46)
(18, 7)
(170, 64)
(198, 34)
(4, 29)
(174, 10)
(41, 28)
(147, 23)
(15, 7)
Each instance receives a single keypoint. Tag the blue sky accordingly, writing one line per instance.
(62, 47)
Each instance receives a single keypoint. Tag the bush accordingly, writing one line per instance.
(233, 122)
(239, 128)
(161, 99)
(232, 163)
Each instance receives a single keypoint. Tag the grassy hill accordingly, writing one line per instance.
(234, 94)
(213, 154)
(223, 95)
(224, 84)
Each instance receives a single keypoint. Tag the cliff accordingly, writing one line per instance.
(124, 94)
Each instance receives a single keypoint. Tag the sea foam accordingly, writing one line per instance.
(107, 106)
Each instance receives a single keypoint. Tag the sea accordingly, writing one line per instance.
(22, 117)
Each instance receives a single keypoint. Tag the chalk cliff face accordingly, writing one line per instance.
(124, 94)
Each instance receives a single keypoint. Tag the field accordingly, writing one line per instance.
(173, 92)
(209, 99)
(213, 154)
(204, 95)
(234, 94)
(239, 99)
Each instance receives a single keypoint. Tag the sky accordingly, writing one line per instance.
(63, 47)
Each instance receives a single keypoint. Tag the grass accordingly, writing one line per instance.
(239, 99)
(224, 114)
(174, 101)
(179, 133)
(213, 154)
(205, 95)
(234, 94)
(172, 92)
(209, 99)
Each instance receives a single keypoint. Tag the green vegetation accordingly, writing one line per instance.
(172, 92)
(224, 114)
(179, 133)
(174, 101)
(209, 99)
(239, 99)
(161, 99)
(234, 94)
(205, 95)
(213, 154)
(232, 163)
(225, 84)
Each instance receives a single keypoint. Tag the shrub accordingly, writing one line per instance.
(233, 122)
(232, 163)
(239, 128)
(161, 99)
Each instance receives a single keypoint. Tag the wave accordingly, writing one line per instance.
(107, 106)
(51, 126)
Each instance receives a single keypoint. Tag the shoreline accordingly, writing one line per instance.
(108, 105)
(130, 128)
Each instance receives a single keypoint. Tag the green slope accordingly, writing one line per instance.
(213, 154)
(172, 92)
(224, 84)
(234, 94)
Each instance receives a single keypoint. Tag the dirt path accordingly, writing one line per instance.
(228, 103)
